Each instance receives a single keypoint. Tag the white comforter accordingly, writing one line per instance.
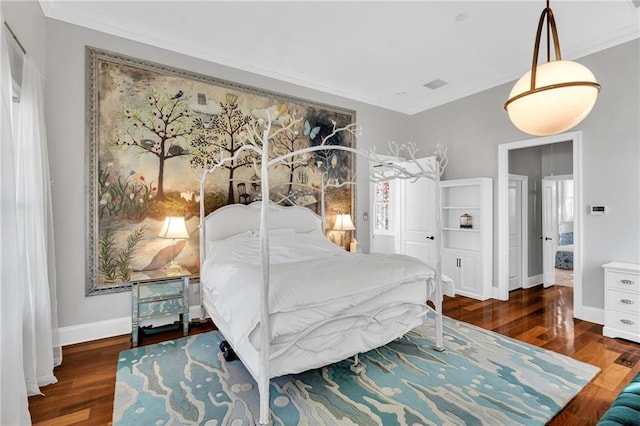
(307, 274)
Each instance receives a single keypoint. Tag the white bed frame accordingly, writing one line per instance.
(294, 357)
(233, 219)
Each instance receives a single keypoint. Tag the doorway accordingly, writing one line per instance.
(502, 290)
(557, 230)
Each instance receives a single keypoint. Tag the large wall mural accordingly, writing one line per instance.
(152, 130)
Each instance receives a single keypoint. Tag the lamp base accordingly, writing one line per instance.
(174, 270)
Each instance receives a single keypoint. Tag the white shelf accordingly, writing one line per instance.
(468, 253)
(461, 229)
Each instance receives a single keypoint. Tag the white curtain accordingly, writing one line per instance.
(34, 216)
(29, 344)
(13, 391)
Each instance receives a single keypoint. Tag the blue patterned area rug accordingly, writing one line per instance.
(482, 378)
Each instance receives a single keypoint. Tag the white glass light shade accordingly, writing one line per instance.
(343, 223)
(174, 227)
(557, 109)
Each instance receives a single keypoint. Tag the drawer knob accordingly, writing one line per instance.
(627, 301)
(629, 282)
(627, 322)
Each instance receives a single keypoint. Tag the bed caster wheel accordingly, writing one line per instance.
(229, 355)
(227, 351)
(358, 368)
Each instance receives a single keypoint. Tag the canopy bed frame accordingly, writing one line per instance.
(369, 325)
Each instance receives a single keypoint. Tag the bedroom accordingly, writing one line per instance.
(472, 132)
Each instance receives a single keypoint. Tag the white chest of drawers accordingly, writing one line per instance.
(622, 300)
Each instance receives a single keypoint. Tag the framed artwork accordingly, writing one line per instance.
(152, 129)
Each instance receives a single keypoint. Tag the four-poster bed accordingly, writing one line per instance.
(288, 300)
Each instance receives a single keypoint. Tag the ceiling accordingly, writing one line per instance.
(378, 52)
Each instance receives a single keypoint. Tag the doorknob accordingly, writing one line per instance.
(547, 238)
(431, 237)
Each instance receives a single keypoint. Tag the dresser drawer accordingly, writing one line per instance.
(164, 307)
(622, 281)
(623, 321)
(624, 301)
(160, 290)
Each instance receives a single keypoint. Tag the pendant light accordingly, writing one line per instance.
(552, 97)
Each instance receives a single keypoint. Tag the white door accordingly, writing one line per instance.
(517, 231)
(417, 233)
(549, 230)
(470, 282)
(450, 266)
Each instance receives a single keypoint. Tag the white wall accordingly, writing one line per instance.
(557, 159)
(473, 127)
(65, 110)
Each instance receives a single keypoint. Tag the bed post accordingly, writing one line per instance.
(438, 278)
(203, 241)
(265, 326)
(322, 212)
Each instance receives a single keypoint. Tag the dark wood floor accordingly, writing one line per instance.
(543, 317)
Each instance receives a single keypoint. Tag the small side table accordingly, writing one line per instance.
(156, 294)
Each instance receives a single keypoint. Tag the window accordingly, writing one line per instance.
(566, 200)
(382, 208)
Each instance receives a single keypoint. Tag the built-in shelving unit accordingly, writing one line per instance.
(467, 255)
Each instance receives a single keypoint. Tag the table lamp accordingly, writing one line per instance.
(174, 228)
(343, 224)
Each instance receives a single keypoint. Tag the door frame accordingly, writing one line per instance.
(524, 228)
(502, 290)
(549, 249)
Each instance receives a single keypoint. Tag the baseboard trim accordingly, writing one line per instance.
(594, 315)
(110, 328)
(533, 281)
(94, 330)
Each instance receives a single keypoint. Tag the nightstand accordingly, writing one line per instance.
(155, 294)
(622, 301)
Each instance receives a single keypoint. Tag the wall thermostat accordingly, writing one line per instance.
(596, 210)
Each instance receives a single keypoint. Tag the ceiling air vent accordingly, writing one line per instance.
(435, 84)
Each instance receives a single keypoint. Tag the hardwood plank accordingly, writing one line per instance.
(543, 317)
(611, 377)
(69, 419)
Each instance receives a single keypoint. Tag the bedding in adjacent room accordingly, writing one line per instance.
(564, 250)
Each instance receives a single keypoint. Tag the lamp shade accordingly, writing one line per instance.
(174, 227)
(343, 223)
(564, 94)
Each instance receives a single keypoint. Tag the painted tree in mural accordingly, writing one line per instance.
(290, 140)
(331, 165)
(221, 136)
(160, 126)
